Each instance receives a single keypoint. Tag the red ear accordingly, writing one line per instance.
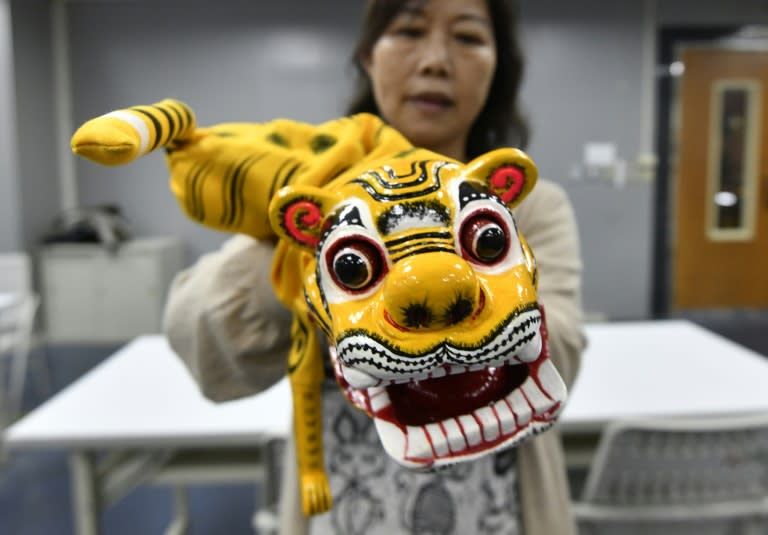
(302, 220)
(297, 213)
(508, 173)
(507, 182)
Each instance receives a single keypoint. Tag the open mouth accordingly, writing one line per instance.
(459, 413)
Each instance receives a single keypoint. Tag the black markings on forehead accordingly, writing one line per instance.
(350, 215)
(385, 185)
(469, 191)
(434, 213)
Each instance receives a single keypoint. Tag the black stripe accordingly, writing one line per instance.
(318, 318)
(179, 120)
(188, 187)
(424, 251)
(304, 333)
(380, 197)
(241, 190)
(172, 125)
(393, 177)
(233, 191)
(187, 113)
(289, 174)
(192, 191)
(158, 126)
(427, 243)
(200, 198)
(225, 188)
(272, 187)
(197, 188)
(420, 235)
(236, 187)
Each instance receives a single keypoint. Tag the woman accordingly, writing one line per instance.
(445, 73)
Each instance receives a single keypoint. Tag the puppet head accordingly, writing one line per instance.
(417, 274)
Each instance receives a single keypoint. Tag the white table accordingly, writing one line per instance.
(143, 399)
(142, 406)
(663, 369)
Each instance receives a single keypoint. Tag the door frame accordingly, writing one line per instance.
(670, 39)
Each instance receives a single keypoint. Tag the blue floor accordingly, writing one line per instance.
(35, 495)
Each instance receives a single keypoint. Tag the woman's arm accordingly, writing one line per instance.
(547, 221)
(223, 320)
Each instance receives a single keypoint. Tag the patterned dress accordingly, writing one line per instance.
(373, 495)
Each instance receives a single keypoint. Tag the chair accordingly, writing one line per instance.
(18, 306)
(702, 477)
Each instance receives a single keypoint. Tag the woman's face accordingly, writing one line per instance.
(431, 71)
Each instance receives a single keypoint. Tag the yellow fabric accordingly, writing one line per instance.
(224, 176)
(116, 138)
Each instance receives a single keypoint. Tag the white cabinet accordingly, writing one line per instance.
(93, 296)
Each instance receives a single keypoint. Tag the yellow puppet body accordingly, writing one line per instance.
(409, 263)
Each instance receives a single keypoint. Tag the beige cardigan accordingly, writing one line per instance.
(225, 323)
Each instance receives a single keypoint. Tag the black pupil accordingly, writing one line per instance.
(351, 270)
(490, 243)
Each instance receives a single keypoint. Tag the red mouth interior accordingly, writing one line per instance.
(434, 400)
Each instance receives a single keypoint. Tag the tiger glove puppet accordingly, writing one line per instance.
(410, 263)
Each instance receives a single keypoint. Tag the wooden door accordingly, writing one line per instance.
(720, 211)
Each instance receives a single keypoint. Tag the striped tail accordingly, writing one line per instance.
(123, 135)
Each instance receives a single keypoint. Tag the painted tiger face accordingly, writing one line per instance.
(417, 274)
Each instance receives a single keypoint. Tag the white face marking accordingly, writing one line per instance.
(409, 223)
(137, 124)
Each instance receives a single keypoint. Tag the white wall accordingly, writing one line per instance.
(38, 183)
(584, 83)
(585, 80)
(10, 238)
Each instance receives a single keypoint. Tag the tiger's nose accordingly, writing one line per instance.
(430, 291)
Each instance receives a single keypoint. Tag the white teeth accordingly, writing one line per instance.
(520, 406)
(530, 351)
(471, 429)
(477, 367)
(359, 379)
(456, 440)
(418, 443)
(379, 398)
(551, 381)
(489, 422)
(540, 402)
(506, 417)
(392, 439)
(437, 437)
(438, 372)
(456, 370)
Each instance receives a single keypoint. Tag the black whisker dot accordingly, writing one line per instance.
(417, 315)
(459, 310)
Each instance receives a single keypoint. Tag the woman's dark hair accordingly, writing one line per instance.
(500, 121)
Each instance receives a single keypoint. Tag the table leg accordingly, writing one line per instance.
(85, 493)
(180, 524)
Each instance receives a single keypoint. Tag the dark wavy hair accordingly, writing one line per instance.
(500, 122)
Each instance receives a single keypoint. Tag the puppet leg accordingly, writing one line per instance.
(123, 135)
(305, 367)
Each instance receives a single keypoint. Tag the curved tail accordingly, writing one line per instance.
(123, 135)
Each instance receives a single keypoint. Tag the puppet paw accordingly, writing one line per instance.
(107, 140)
(316, 494)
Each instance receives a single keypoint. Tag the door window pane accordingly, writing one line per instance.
(732, 170)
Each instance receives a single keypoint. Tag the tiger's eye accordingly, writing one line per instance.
(352, 269)
(484, 239)
(490, 243)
